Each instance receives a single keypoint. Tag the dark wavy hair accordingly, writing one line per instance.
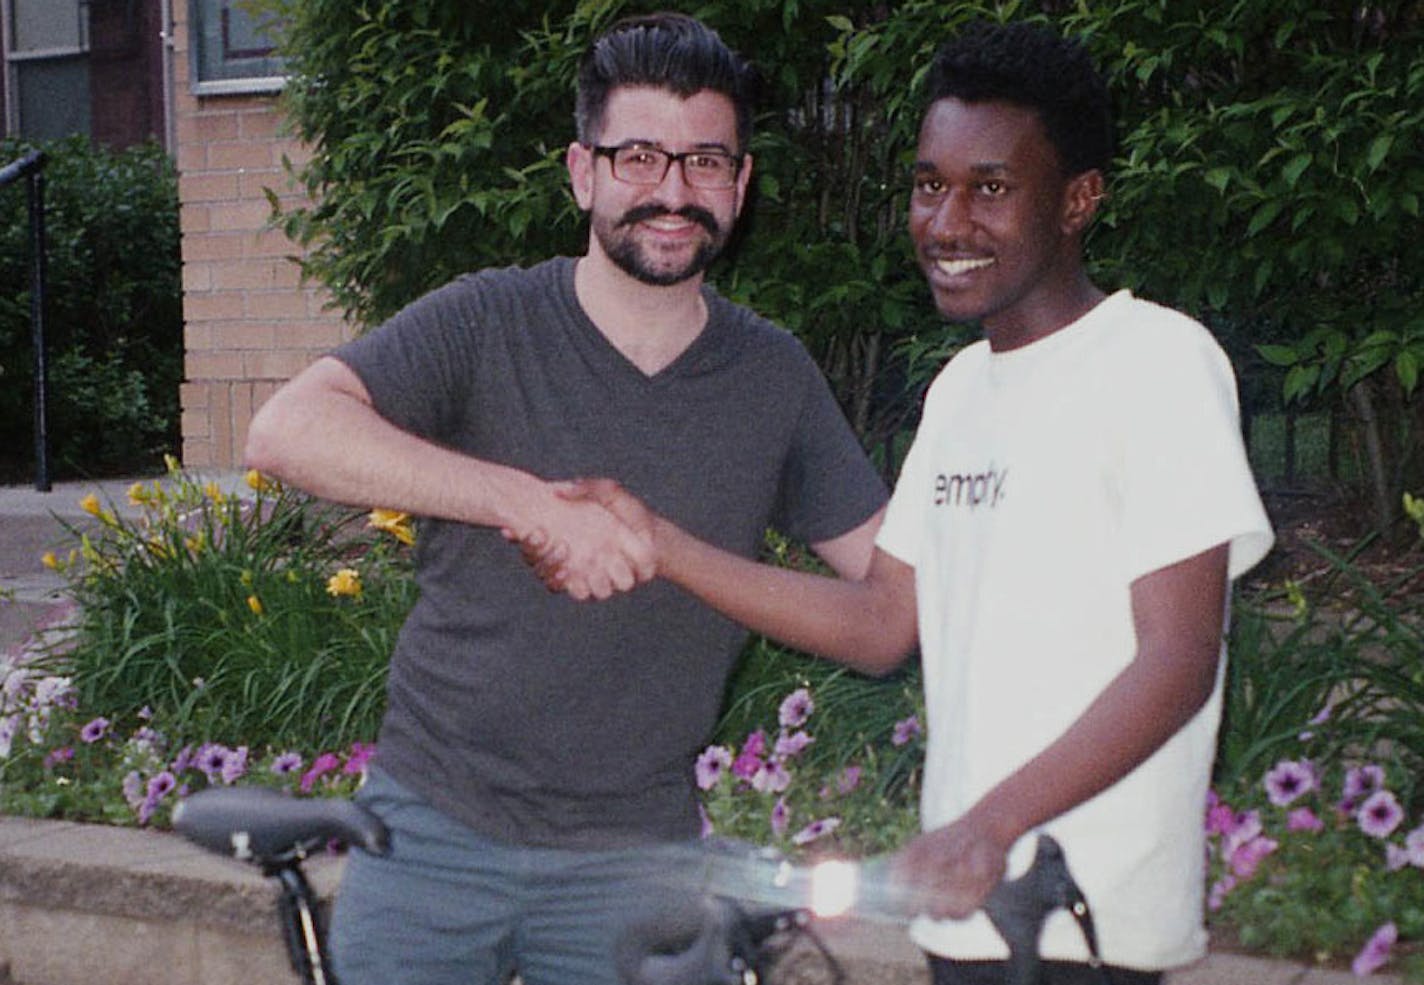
(1033, 67)
(669, 51)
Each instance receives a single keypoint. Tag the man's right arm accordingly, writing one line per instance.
(321, 433)
(866, 623)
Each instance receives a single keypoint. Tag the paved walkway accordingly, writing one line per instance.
(31, 596)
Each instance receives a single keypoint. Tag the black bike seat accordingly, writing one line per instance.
(266, 826)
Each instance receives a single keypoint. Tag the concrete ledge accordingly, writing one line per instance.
(82, 904)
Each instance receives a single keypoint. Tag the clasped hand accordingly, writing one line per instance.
(598, 540)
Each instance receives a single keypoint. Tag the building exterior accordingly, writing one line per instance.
(197, 75)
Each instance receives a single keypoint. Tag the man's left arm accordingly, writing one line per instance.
(1178, 612)
(849, 554)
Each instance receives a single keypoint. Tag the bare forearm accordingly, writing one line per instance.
(866, 624)
(320, 435)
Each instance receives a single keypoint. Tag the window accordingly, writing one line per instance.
(47, 67)
(231, 48)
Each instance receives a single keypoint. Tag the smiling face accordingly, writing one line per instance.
(666, 233)
(996, 224)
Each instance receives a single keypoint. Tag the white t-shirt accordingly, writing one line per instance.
(1042, 482)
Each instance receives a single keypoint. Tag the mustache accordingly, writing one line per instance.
(652, 210)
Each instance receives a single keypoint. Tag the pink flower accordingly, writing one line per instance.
(1414, 846)
(1380, 814)
(1360, 782)
(1288, 780)
(795, 709)
(906, 730)
(791, 745)
(1396, 857)
(1243, 828)
(1246, 858)
(94, 731)
(780, 817)
(1303, 819)
(360, 755)
(771, 777)
(1219, 891)
(814, 830)
(324, 764)
(56, 756)
(749, 760)
(710, 766)
(1375, 953)
(848, 780)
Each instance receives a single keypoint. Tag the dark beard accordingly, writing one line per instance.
(628, 256)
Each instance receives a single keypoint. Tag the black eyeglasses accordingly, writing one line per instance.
(639, 164)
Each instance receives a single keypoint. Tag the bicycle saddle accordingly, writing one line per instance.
(257, 824)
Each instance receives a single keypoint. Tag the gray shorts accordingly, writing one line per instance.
(448, 907)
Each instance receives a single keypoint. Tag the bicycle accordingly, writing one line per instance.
(728, 930)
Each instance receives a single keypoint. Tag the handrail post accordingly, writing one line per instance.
(31, 167)
(37, 325)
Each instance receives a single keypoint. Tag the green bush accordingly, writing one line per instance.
(113, 318)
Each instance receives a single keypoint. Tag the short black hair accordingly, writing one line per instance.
(669, 51)
(1031, 66)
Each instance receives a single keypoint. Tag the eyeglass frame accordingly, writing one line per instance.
(670, 158)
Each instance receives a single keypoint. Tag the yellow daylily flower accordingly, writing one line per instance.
(255, 604)
(214, 492)
(90, 504)
(49, 560)
(172, 465)
(258, 482)
(346, 582)
(139, 494)
(393, 522)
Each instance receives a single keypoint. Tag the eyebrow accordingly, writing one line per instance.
(658, 144)
(982, 168)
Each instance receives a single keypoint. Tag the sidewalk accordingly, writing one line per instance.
(32, 596)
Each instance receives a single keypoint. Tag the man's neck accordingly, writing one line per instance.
(650, 325)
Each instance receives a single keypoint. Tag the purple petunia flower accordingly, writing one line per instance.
(796, 707)
(1288, 780)
(790, 745)
(707, 830)
(183, 761)
(816, 829)
(1219, 891)
(714, 761)
(749, 760)
(132, 788)
(95, 730)
(323, 765)
(1320, 718)
(1414, 846)
(360, 755)
(1380, 814)
(1247, 858)
(1375, 954)
(1303, 819)
(210, 759)
(780, 817)
(56, 756)
(772, 777)
(1244, 827)
(234, 765)
(160, 785)
(1396, 857)
(848, 779)
(1360, 782)
(288, 762)
(906, 730)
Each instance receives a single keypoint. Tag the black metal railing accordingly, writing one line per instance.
(31, 167)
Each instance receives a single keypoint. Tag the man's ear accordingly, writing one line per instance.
(1080, 200)
(580, 162)
(744, 180)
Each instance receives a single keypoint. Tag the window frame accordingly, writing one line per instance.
(200, 14)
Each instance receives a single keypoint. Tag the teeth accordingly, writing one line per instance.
(953, 267)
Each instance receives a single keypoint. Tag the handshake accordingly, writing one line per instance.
(593, 540)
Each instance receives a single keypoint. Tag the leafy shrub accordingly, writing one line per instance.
(113, 318)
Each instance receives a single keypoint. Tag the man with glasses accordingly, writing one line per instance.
(534, 748)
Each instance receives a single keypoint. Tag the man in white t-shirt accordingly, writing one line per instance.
(1060, 542)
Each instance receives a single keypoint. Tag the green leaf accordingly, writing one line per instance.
(1406, 368)
(1264, 216)
(1294, 168)
(1300, 380)
(1279, 355)
(1379, 150)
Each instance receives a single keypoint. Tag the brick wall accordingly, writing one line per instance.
(249, 324)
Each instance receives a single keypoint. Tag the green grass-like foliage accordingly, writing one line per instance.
(219, 614)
